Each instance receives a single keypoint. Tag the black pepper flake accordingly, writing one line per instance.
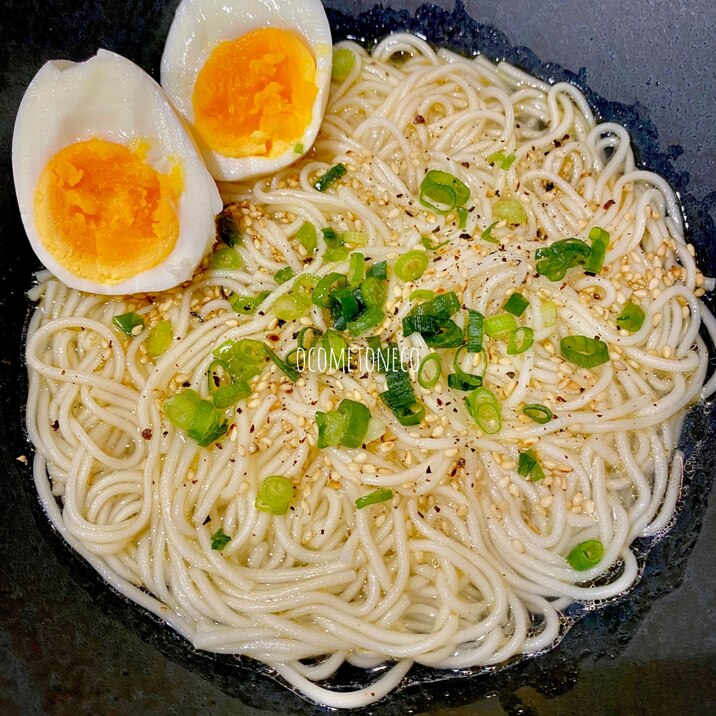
(252, 428)
(548, 185)
(146, 433)
(466, 236)
(560, 399)
(436, 508)
(419, 119)
(608, 204)
(207, 520)
(428, 470)
(56, 425)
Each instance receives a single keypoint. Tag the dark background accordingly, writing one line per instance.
(68, 645)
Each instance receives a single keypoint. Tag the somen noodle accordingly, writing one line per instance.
(467, 556)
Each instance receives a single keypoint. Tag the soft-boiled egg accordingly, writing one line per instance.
(251, 77)
(114, 195)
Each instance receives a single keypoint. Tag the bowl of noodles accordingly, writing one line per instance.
(439, 424)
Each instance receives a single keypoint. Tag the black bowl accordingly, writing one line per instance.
(69, 644)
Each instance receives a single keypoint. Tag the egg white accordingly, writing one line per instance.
(200, 25)
(109, 97)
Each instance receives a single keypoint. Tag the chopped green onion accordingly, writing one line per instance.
(450, 335)
(199, 418)
(586, 555)
(382, 494)
(631, 318)
(442, 192)
(298, 148)
(470, 379)
(505, 162)
(411, 265)
(356, 271)
(429, 370)
(373, 291)
(344, 307)
(247, 305)
(520, 340)
(500, 325)
(227, 258)
(357, 417)
(516, 304)
(486, 235)
(243, 359)
(554, 260)
(421, 294)
(431, 245)
(456, 383)
(131, 324)
(313, 334)
(400, 392)
(307, 236)
(548, 309)
(509, 210)
(539, 413)
(485, 410)
(462, 217)
(330, 177)
(219, 540)
(331, 281)
(368, 319)
(356, 238)
(284, 274)
(475, 330)
(289, 370)
(217, 376)
(336, 255)
(226, 395)
(600, 243)
(343, 62)
(346, 426)
(160, 338)
(227, 228)
(584, 351)
(528, 466)
(290, 306)
(274, 495)
(378, 270)
(336, 349)
(410, 414)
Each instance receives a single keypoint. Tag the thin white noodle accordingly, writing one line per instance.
(466, 564)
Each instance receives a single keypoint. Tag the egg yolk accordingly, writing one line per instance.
(103, 213)
(254, 96)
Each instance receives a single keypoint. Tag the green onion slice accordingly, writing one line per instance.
(586, 555)
(357, 417)
(160, 338)
(336, 349)
(198, 418)
(410, 414)
(431, 245)
(528, 466)
(631, 318)
(289, 370)
(344, 307)
(442, 192)
(373, 291)
(355, 238)
(584, 351)
(330, 177)
(247, 305)
(321, 294)
(227, 258)
(539, 413)
(429, 370)
(373, 498)
(411, 265)
(343, 63)
(331, 426)
(219, 540)
(450, 335)
(554, 260)
(465, 378)
(290, 306)
(226, 395)
(462, 215)
(369, 318)
(500, 325)
(485, 409)
(600, 243)
(475, 331)
(131, 324)
(298, 148)
(509, 210)
(308, 337)
(548, 309)
(356, 271)
(307, 236)
(284, 274)
(243, 359)
(516, 304)
(274, 495)
(520, 340)
(486, 235)
(421, 294)
(378, 270)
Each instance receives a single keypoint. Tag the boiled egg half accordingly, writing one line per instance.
(113, 193)
(251, 77)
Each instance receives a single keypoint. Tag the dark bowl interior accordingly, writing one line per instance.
(69, 644)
